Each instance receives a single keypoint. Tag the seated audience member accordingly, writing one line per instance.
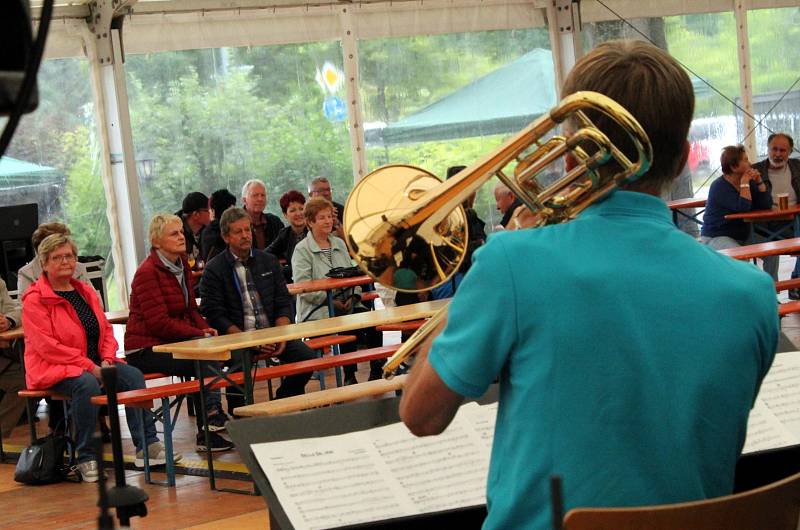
(162, 310)
(12, 378)
(476, 237)
(243, 289)
(739, 189)
(67, 341)
(782, 176)
(27, 275)
(211, 242)
(313, 257)
(601, 381)
(196, 215)
(265, 225)
(283, 247)
(506, 202)
(321, 187)
(30, 272)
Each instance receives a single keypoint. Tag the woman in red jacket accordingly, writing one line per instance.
(67, 340)
(162, 310)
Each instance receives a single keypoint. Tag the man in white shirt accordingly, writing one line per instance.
(782, 175)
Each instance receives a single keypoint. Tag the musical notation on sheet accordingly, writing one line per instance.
(380, 473)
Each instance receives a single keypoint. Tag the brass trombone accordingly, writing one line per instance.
(407, 229)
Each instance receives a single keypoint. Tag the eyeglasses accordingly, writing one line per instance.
(65, 258)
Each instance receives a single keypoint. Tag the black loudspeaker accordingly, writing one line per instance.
(16, 43)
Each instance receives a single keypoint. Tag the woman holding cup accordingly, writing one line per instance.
(740, 189)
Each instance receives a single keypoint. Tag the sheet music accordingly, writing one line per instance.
(483, 418)
(780, 390)
(377, 474)
(764, 431)
(775, 419)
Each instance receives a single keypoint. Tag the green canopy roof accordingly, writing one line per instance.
(15, 172)
(502, 101)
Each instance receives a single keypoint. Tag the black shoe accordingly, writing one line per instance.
(350, 380)
(794, 294)
(374, 376)
(218, 443)
(217, 421)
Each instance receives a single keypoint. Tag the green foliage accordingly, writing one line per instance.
(85, 199)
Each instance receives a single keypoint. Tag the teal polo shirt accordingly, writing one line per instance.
(628, 354)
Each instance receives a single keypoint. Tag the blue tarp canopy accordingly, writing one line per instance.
(502, 101)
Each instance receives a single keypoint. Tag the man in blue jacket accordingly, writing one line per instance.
(243, 289)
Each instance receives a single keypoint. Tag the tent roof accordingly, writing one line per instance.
(502, 101)
(14, 172)
(11, 166)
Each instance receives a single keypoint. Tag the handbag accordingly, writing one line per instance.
(344, 272)
(42, 462)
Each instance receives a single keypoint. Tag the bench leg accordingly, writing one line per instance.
(204, 415)
(31, 411)
(168, 442)
(145, 449)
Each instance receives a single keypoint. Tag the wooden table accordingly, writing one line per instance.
(328, 285)
(763, 217)
(680, 204)
(219, 348)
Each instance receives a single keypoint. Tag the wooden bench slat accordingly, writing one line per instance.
(322, 398)
(760, 250)
(318, 343)
(789, 308)
(785, 285)
(271, 372)
(411, 325)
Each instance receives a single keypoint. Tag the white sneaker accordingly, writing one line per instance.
(157, 455)
(88, 471)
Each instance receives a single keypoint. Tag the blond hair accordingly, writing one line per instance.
(158, 223)
(52, 243)
(654, 88)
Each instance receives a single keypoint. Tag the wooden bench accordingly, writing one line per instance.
(411, 325)
(320, 345)
(785, 285)
(761, 250)
(145, 397)
(788, 308)
(322, 398)
(370, 295)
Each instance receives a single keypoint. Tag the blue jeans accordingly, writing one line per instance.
(81, 389)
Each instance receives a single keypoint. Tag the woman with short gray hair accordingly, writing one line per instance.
(67, 341)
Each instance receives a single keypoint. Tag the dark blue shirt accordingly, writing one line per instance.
(724, 199)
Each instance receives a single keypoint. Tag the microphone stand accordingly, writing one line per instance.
(104, 520)
(128, 500)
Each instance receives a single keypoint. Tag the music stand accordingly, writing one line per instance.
(329, 421)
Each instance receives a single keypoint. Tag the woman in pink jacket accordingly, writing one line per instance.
(67, 341)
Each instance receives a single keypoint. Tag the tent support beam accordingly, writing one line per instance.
(563, 21)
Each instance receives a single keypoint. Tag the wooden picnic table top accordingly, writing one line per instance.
(327, 284)
(219, 348)
(690, 202)
(760, 250)
(774, 214)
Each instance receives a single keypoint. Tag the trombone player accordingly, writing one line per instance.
(628, 354)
